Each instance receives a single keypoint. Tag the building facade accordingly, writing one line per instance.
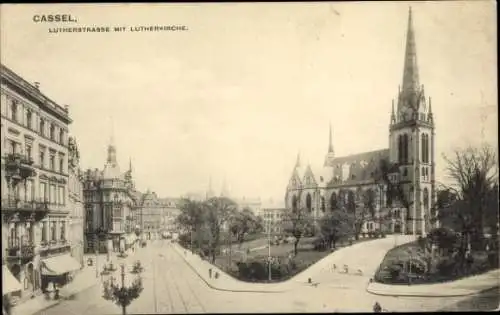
(34, 186)
(151, 215)
(110, 202)
(342, 182)
(170, 214)
(75, 201)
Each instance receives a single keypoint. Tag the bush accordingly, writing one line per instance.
(446, 267)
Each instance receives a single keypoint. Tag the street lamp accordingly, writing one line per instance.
(269, 247)
(122, 295)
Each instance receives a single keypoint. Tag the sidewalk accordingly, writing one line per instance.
(463, 287)
(84, 279)
(365, 256)
(225, 282)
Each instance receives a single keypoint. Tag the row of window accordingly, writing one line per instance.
(51, 193)
(55, 162)
(49, 130)
(24, 233)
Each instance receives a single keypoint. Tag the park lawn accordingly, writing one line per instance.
(411, 251)
(306, 253)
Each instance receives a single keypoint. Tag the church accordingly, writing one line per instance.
(343, 181)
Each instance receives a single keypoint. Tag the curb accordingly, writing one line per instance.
(221, 289)
(423, 295)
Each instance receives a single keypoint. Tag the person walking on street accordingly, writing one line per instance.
(210, 273)
(377, 308)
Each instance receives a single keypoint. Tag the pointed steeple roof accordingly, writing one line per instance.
(297, 163)
(330, 141)
(410, 73)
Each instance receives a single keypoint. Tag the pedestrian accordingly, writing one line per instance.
(377, 308)
(210, 273)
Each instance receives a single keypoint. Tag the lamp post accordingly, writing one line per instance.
(122, 295)
(269, 247)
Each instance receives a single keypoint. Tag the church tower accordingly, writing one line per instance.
(330, 156)
(411, 141)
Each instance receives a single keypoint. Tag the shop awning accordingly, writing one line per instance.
(9, 282)
(59, 265)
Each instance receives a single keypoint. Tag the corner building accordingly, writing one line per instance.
(343, 181)
(34, 188)
(110, 207)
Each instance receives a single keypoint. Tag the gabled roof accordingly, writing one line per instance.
(322, 175)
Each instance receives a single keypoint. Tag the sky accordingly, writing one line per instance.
(246, 87)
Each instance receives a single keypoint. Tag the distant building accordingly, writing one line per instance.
(34, 188)
(111, 202)
(273, 215)
(151, 210)
(170, 214)
(254, 204)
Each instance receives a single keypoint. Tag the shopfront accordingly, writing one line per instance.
(58, 270)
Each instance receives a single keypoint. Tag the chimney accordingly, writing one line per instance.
(37, 85)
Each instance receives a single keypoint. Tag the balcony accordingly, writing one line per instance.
(24, 210)
(23, 250)
(18, 166)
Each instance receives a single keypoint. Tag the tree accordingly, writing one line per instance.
(474, 175)
(297, 222)
(335, 226)
(243, 223)
(388, 174)
(191, 218)
(219, 211)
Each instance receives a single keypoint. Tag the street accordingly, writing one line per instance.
(171, 286)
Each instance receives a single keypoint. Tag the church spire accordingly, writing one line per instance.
(130, 164)
(297, 163)
(330, 141)
(410, 90)
(410, 74)
(111, 146)
(393, 114)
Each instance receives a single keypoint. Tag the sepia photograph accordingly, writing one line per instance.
(239, 157)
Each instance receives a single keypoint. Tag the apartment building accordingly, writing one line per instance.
(34, 187)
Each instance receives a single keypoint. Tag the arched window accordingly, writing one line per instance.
(426, 199)
(294, 202)
(309, 203)
(333, 201)
(323, 206)
(351, 201)
(405, 148)
(400, 149)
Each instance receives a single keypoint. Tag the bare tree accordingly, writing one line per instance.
(388, 175)
(474, 174)
(219, 211)
(297, 222)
